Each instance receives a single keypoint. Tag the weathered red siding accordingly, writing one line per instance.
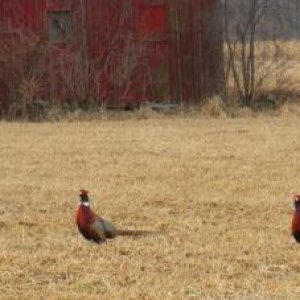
(121, 51)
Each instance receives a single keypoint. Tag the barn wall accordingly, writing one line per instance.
(117, 51)
(196, 49)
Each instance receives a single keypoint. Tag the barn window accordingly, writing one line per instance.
(59, 26)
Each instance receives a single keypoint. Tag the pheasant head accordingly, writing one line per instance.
(84, 198)
(296, 199)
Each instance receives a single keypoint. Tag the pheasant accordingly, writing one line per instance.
(296, 218)
(95, 228)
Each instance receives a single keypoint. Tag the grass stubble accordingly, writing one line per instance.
(219, 191)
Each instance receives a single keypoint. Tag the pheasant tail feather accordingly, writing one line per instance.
(134, 232)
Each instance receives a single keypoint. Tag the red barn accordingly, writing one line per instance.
(116, 52)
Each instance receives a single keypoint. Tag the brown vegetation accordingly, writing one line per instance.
(276, 77)
(219, 190)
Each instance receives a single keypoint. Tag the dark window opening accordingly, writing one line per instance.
(59, 26)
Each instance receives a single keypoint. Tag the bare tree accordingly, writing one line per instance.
(109, 74)
(22, 64)
(240, 35)
(257, 65)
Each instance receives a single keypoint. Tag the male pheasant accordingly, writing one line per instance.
(296, 218)
(95, 228)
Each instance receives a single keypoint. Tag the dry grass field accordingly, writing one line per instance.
(218, 190)
(277, 66)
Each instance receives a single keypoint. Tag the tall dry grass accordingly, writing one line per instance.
(219, 190)
(277, 70)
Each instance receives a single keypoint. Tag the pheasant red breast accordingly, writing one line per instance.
(296, 218)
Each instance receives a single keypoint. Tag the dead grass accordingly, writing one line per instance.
(214, 107)
(218, 189)
(277, 69)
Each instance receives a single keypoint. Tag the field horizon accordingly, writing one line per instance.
(218, 191)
